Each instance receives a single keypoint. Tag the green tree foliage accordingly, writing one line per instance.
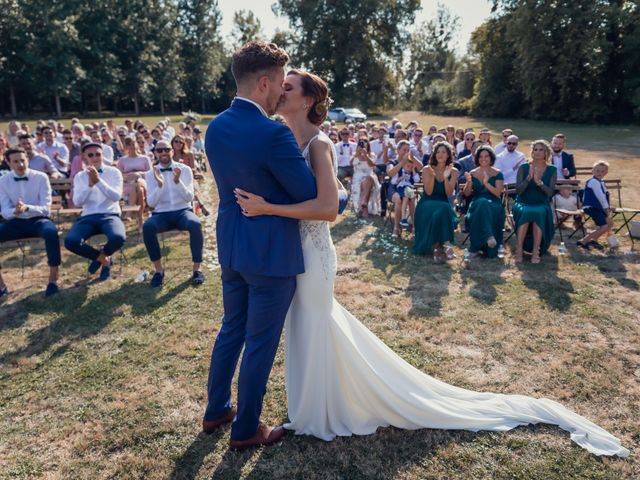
(356, 45)
(558, 59)
(202, 50)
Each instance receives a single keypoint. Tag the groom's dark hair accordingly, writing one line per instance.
(255, 59)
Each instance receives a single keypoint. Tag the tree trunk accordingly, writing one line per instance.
(202, 109)
(136, 104)
(56, 97)
(12, 96)
(162, 104)
(99, 104)
(116, 105)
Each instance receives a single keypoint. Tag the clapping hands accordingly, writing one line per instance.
(20, 208)
(176, 175)
(93, 175)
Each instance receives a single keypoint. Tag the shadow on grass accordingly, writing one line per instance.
(78, 319)
(484, 274)
(544, 279)
(612, 266)
(385, 454)
(186, 467)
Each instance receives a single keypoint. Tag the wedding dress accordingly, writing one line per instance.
(343, 380)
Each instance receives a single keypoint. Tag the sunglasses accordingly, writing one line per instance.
(94, 154)
(512, 143)
(162, 150)
(178, 141)
(68, 138)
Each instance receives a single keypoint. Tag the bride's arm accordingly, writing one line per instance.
(323, 207)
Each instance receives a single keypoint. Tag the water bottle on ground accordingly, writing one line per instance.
(142, 276)
(466, 256)
(562, 249)
(501, 251)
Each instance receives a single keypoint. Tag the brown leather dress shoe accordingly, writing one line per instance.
(209, 426)
(264, 436)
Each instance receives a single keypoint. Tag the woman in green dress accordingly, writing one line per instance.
(535, 185)
(485, 216)
(435, 219)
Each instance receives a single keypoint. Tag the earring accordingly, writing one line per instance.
(305, 106)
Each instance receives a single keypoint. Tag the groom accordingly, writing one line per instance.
(259, 256)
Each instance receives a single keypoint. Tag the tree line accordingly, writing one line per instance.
(547, 59)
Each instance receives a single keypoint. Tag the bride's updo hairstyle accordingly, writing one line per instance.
(316, 88)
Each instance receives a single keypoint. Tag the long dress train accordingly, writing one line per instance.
(343, 380)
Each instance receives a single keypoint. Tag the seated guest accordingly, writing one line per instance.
(107, 139)
(182, 153)
(13, 133)
(417, 144)
(55, 150)
(41, 163)
(485, 136)
(565, 199)
(404, 172)
(465, 165)
(345, 150)
(69, 142)
(198, 143)
(25, 201)
(596, 204)
(133, 166)
(170, 195)
(509, 161)
(485, 217)
(107, 151)
(464, 147)
(364, 184)
(535, 184)
(435, 218)
(502, 146)
(562, 160)
(97, 190)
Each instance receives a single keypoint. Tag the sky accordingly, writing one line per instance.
(471, 12)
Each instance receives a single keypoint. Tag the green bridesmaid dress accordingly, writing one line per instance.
(435, 220)
(532, 206)
(485, 217)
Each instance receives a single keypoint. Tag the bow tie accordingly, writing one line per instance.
(20, 179)
(99, 170)
(168, 169)
(345, 144)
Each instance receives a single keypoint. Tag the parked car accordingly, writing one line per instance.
(343, 114)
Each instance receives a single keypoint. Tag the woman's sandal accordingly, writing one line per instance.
(449, 253)
(535, 258)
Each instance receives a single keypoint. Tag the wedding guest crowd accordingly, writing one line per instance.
(98, 167)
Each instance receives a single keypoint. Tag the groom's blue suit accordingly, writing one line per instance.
(259, 256)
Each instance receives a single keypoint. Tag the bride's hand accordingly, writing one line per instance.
(251, 205)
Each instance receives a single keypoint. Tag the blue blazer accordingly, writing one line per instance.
(568, 163)
(249, 151)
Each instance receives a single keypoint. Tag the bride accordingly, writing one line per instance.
(343, 380)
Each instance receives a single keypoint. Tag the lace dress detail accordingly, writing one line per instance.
(317, 231)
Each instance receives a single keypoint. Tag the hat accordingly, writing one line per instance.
(197, 129)
(89, 145)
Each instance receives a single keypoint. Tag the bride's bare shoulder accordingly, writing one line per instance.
(321, 145)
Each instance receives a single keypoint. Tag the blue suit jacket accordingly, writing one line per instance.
(249, 151)
(568, 163)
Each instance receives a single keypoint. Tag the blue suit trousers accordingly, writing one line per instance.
(18, 228)
(255, 308)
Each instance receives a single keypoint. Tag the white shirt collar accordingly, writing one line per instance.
(262, 111)
(26, 174)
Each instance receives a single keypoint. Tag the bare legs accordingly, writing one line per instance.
(537, 241)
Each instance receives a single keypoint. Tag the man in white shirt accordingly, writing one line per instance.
(55, 150)
(107, 151)
(98, 190)
(170, 193)
(510, 160)
(377, 148)
(418, 149)
(502, 146)
(345, 149)
(25, 202)
(41, 163)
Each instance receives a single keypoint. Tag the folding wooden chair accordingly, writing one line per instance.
(627, 214)
(574, 187)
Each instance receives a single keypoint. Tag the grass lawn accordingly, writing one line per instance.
(109, 380)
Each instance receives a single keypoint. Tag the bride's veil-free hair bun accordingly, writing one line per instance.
(315, 88)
